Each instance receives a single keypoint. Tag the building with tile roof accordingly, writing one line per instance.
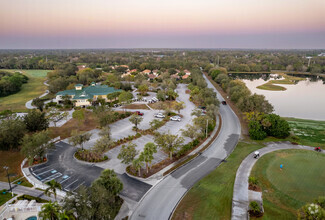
(82, 95)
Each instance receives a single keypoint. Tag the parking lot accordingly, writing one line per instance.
(71, 174)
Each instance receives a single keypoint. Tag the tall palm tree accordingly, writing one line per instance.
(50, 211)
(53, 185)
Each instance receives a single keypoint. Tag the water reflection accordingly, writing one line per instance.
(306, 99)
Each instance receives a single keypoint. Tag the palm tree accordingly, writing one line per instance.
(52, 188)
(50, 211)
(137, 164)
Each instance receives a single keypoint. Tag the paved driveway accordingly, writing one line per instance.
(71, 174)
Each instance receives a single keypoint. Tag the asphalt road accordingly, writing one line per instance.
(17, 189)
(161, 200)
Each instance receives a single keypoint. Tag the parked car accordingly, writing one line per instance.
(155, 99)
(159, 115)
(224, 102)
(175, 118)
(139, 113)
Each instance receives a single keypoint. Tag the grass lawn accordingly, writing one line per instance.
(5, 197)
(11, 159)
(311, 133)
(300, 181)
(211, 197)
(30, 90)
(271, 86)
(136, 106)
(288, 80)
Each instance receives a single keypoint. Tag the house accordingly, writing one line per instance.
(152, 76)
(133, 71)
(81, 67)
(187, 72)
(175, 76)
(155, 72)
(146, 71)
(82, 96)
(185, 76)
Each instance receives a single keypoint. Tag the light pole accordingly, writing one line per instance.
(6, 168)
(206, 130)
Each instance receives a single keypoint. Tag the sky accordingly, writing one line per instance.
(72, 24)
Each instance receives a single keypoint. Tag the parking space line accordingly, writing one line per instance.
(42, 172)
(39, 169)
(78, 186)
(70, 184)
(56, 175)
(65, 179)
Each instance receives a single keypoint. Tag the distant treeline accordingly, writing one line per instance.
(232, 60)
(11, 82)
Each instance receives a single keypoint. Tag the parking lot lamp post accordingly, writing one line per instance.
(6, 168)
(136, 124)
(206, 130)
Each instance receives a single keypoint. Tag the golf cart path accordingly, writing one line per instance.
(29, 103)
(240, 201)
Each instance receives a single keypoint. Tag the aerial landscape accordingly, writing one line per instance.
(162, 110)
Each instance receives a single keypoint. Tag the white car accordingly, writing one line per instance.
(175, 118)
(159, 115)
(155, 99)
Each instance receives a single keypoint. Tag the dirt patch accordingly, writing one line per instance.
(163, 105)
(254, 188)
(88, 124)
(136, 106)
(11, 159)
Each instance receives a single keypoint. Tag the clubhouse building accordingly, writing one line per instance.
(82, 96)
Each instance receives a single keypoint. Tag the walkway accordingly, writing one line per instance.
(240, 201)
(29, 103)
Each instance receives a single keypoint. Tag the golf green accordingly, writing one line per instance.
(300, 181)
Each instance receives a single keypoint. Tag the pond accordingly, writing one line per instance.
(305, 100)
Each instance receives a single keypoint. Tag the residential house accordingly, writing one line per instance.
(187, 72)
(146, 71)
(82, 96)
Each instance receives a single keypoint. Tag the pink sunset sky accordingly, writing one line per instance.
(160, 24)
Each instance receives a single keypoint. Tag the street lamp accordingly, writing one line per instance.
(6, 168)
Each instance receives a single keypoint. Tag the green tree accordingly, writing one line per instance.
(256, 131)
(155, 124)
(191, 131)
(143, 89)
(79, 138)
(39, 103)
(125, 97)
(137, 164)
(109, 180)
(278, 128)
(36, 145)
(50, 211)
(169, 142)
(147, 154)
(127, 153)
(179, 106)
(53, 185)
(161, 96)
(36, 121)
(136, 119)
(172, 95)
(12, 131)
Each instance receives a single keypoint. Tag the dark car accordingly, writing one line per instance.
(224, 102)
(139, 113)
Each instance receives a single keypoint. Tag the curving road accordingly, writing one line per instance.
(161, 200)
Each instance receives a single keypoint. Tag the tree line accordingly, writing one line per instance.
(11, 83)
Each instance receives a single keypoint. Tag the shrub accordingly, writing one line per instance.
(254, 209)
(76, 108)
(30, 198)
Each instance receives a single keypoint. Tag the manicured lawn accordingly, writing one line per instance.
(11, 159)
(30, 90)
(311, 133)
(211, 197)
(301, 180)
(5, 197)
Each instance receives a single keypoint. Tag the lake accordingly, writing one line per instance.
(306, 99)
